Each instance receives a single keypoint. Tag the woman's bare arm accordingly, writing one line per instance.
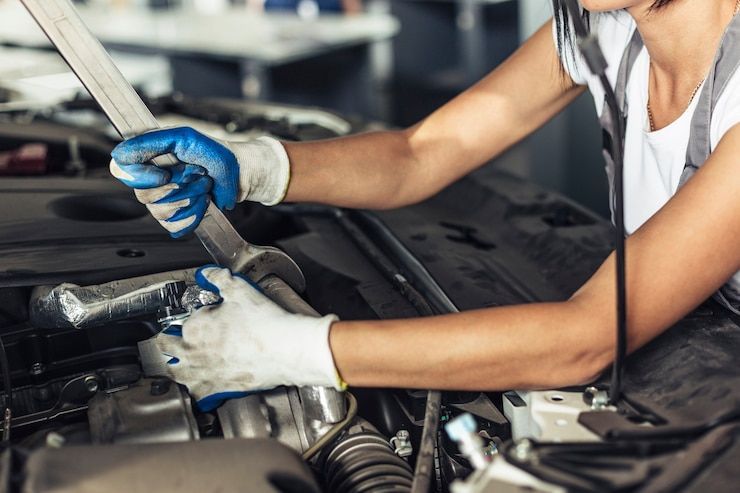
(674, 262)
(383, 170)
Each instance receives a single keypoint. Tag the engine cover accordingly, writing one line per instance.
(257, 466)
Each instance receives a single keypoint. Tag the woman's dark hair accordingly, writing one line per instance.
(562, 21)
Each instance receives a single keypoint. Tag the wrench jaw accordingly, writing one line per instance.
(230, 250)
(257, 263)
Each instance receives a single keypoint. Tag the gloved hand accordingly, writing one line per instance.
(226, 172)
(246, 343)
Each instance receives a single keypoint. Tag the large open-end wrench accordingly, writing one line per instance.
(94, 67)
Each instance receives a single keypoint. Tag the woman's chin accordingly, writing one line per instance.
(609, 5)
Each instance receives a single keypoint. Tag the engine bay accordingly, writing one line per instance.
(87, 276)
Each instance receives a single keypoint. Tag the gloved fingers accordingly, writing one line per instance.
(173, 202)
(138, 175)
(217, 160)
(149, 176)
(222, 282)
(205, 283)
(176, 229)
(186, 219)
(180, 141)
(194, 190)
(189, 146)
(164, 212)
(173, 330)
(211, 402)
(152, 195)
(197, 208)
(181, 228)
(213, 278)
(184, 174)
(171, 346)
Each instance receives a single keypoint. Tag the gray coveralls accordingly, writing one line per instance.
(725, 64)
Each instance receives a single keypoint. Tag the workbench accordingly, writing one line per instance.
(38, 79)
(324, 61)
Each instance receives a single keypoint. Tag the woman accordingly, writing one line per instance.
(684, 224)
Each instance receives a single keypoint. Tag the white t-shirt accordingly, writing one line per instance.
(653, 161)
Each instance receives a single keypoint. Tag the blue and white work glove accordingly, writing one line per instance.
(246, 343)
(211, 169)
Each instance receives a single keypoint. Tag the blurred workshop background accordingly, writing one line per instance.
(389, 61)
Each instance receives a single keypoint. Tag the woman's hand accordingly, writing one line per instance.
(246, 343)
(225, 172)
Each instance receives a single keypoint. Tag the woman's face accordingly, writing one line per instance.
(607, 5)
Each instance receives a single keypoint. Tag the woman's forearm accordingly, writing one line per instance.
(382, 170)
(544, 345)
(372, 171)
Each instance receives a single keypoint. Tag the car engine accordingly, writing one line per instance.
(87, 277)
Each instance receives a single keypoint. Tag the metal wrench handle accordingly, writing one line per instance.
(89, 60)
(128, 114)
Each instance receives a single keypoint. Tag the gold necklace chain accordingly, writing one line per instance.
(651, 118)
(691, 100)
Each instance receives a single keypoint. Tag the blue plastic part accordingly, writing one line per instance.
(188, 146)
(211, 402)
(460, 427)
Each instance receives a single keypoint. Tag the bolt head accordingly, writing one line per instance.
(160, 386)
(491, 449)
(91, 384)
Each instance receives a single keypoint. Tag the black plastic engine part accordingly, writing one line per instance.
(665, 465)
(684, 383)
(153, 410)
(255, 465)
